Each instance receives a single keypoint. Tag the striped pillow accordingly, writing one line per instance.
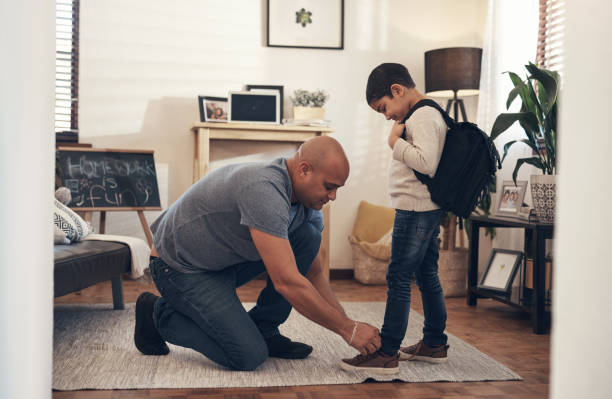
(70, 223)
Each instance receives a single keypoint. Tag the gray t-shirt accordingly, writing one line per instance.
(208, 226)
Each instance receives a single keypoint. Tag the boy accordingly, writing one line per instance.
(414, 248)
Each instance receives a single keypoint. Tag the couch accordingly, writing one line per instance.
(85, 263)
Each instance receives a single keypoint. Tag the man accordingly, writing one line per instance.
(227, 229)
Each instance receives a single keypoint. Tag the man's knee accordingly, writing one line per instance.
(249, 358)
(305, 243)
(306, 239)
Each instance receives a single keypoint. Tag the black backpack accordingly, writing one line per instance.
(467, 166)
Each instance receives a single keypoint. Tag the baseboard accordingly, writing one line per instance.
(341, 274)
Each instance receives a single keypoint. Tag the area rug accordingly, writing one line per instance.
(93, 349)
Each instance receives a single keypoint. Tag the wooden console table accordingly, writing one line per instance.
(207, 131)
(535, 236)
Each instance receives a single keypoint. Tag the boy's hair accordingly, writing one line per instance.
(383, 76)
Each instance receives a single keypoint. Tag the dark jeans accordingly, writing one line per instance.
(202, 311)
(414, 250)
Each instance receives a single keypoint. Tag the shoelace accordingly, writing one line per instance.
(417, 350)
(361, 357)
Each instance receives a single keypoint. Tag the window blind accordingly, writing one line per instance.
(66, 70)
(550, 35)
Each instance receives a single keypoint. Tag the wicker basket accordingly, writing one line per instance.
(367, 269)
(452, 269)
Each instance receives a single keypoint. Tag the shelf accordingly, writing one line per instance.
(512, 300)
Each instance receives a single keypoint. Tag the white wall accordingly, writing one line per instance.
(144, 62)
(582, 308)
(27, 48)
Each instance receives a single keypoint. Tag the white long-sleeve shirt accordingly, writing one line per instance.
(420, 151)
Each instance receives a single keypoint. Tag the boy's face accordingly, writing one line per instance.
(395, 107)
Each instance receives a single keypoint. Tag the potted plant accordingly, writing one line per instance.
(309, 105)
(538, 118)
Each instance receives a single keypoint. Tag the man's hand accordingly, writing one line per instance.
(366, 339)
(396, 132)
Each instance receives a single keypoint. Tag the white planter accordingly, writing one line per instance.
(543, 192)
(308, 113)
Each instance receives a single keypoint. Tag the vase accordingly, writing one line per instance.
(543, 190)
(301, 113)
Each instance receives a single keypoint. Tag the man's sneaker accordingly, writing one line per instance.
(284, 348)
(146, 337)
(377, 362)
(425, 353)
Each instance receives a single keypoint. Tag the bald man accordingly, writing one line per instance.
(227, 229)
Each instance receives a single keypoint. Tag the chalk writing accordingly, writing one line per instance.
(109, 179)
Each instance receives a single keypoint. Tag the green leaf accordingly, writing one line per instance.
(503, 122)
(535, 161)
(530, 144)
(516, 91)
(536, 108)
(549, 81)
(506, 148)
(527, 103)
(532, 132)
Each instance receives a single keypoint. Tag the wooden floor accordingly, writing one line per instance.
(494, 328)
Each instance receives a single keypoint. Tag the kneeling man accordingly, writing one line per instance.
(227, 229)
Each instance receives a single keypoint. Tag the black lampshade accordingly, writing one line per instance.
(453, 68)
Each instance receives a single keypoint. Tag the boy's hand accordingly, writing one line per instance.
(396, 132)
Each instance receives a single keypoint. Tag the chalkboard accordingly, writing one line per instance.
(101, 179)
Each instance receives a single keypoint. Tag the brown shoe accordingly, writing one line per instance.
(425, 353)
(377, 362)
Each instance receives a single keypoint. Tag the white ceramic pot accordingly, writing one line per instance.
(543, 192)
(302, 113)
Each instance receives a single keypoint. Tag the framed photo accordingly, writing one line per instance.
(511, 199)
(268, 89)
(213, 109)
(306, 24)
(254, 107)
(501, 269)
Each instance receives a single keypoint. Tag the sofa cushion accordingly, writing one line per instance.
(80, 265)
(372, 222)
(69, 222)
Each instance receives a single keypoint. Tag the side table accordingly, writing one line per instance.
(536, 235)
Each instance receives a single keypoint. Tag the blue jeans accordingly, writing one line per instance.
(202, 311)
(414, 250)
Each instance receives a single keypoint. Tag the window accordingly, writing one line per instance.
(550, 35)
(66, 70)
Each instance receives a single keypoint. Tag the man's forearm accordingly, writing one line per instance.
(321, 283)
(308, 301)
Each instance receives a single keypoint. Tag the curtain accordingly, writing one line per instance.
(510, 42)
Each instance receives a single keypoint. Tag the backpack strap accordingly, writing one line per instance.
(449, 122)
(429, 102)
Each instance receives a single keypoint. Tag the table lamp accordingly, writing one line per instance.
(452, 70)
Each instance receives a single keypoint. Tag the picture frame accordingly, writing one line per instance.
(270, 88)
(317, 24)
(254, 107)
(501, 270)
(213, 109)
(511, 198)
